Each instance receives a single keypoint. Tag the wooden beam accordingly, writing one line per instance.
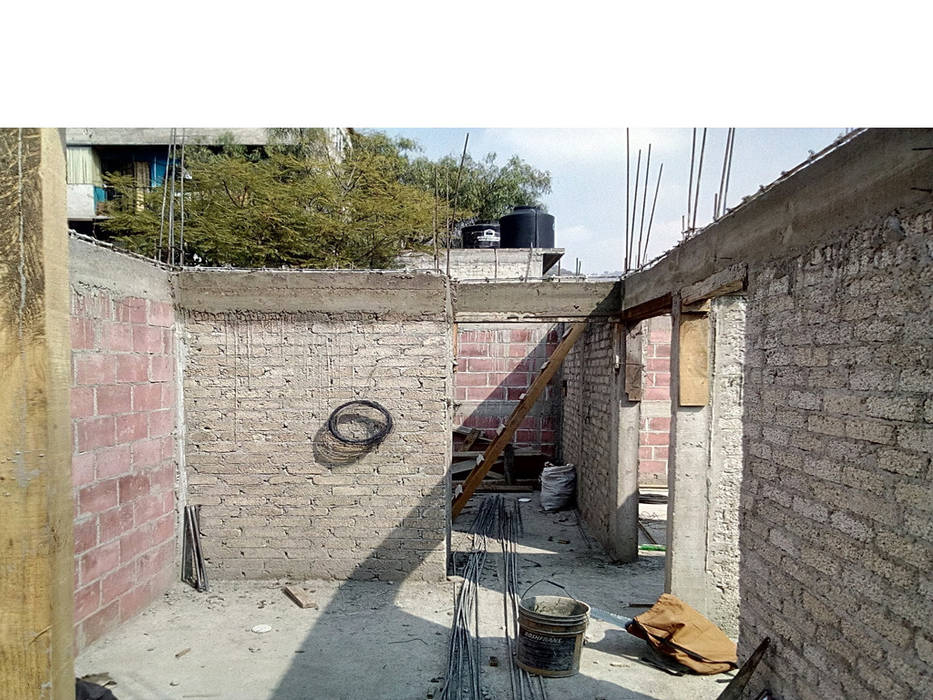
(658, 306)
(693, 366)
(634, 364)
(728, 281)
(36, 531)
(493, 452)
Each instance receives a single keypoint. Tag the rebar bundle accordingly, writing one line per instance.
(500, 519)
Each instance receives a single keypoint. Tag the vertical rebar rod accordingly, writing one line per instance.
(181, 235)
(168, 155)
(725, 194)
(722, 178)
(436, 263)
(466, 141)
(696, 195)
(628, 177)
(644, 201)
(631, 259)
(653, 205)
(171, 209)
(693, 150)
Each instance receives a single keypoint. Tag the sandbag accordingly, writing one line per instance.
(678, 631)
(558, 486)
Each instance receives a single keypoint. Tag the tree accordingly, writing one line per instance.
(487, 190)
(306, 201)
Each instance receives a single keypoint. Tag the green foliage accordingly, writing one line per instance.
(304, 201)
(487, 190)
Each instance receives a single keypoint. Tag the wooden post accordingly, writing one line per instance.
(36, 510)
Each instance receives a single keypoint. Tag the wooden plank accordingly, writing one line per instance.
(470, 439)
(658, 306)
(300, 597)
(727, 281)
(36, 521)
(518, 415)
(693, 365)
(634, 366)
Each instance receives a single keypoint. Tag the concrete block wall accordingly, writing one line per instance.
(836, 539)
(123, 406)
(496, 363)
(588, 378)
(654, 436)
(278, 498)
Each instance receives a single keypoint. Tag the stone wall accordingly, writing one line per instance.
(588, 380)
(123, 406)
(264, 372)
(836, 508)
(496, 363)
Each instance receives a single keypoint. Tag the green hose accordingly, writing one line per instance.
(652, 547)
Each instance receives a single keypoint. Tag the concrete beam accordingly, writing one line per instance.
(36, 532)
(551, 301)
(875, 173)
(161, 137)
(99, 267)
(386, 295)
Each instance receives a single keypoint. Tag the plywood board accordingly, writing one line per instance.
(693, 366)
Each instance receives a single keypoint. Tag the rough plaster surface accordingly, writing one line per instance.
(724, 478)
(836, 539)
(123, 407)
(484, 263)
(279, 495)
(589, 377)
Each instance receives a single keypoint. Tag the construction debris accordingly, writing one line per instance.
(300, 597)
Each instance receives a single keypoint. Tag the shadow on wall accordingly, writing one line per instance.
(405, 654)
(491, 385)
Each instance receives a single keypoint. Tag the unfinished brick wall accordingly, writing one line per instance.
(496, 363)
(836, 535)
(259, 388)
(588, 377)
(654, 437)
(123, 406)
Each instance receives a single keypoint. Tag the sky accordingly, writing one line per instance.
(587, 169)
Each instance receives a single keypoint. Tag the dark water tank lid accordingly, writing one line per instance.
(483, 234)
(526, 227)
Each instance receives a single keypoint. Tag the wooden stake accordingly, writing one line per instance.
(36, 531)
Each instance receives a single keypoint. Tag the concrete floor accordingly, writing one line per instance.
(387, 640)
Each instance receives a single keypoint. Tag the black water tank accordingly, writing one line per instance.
(484, 234)
(526, 227)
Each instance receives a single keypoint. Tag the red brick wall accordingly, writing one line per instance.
(496, 365)
(656, 402)
(123, 418)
